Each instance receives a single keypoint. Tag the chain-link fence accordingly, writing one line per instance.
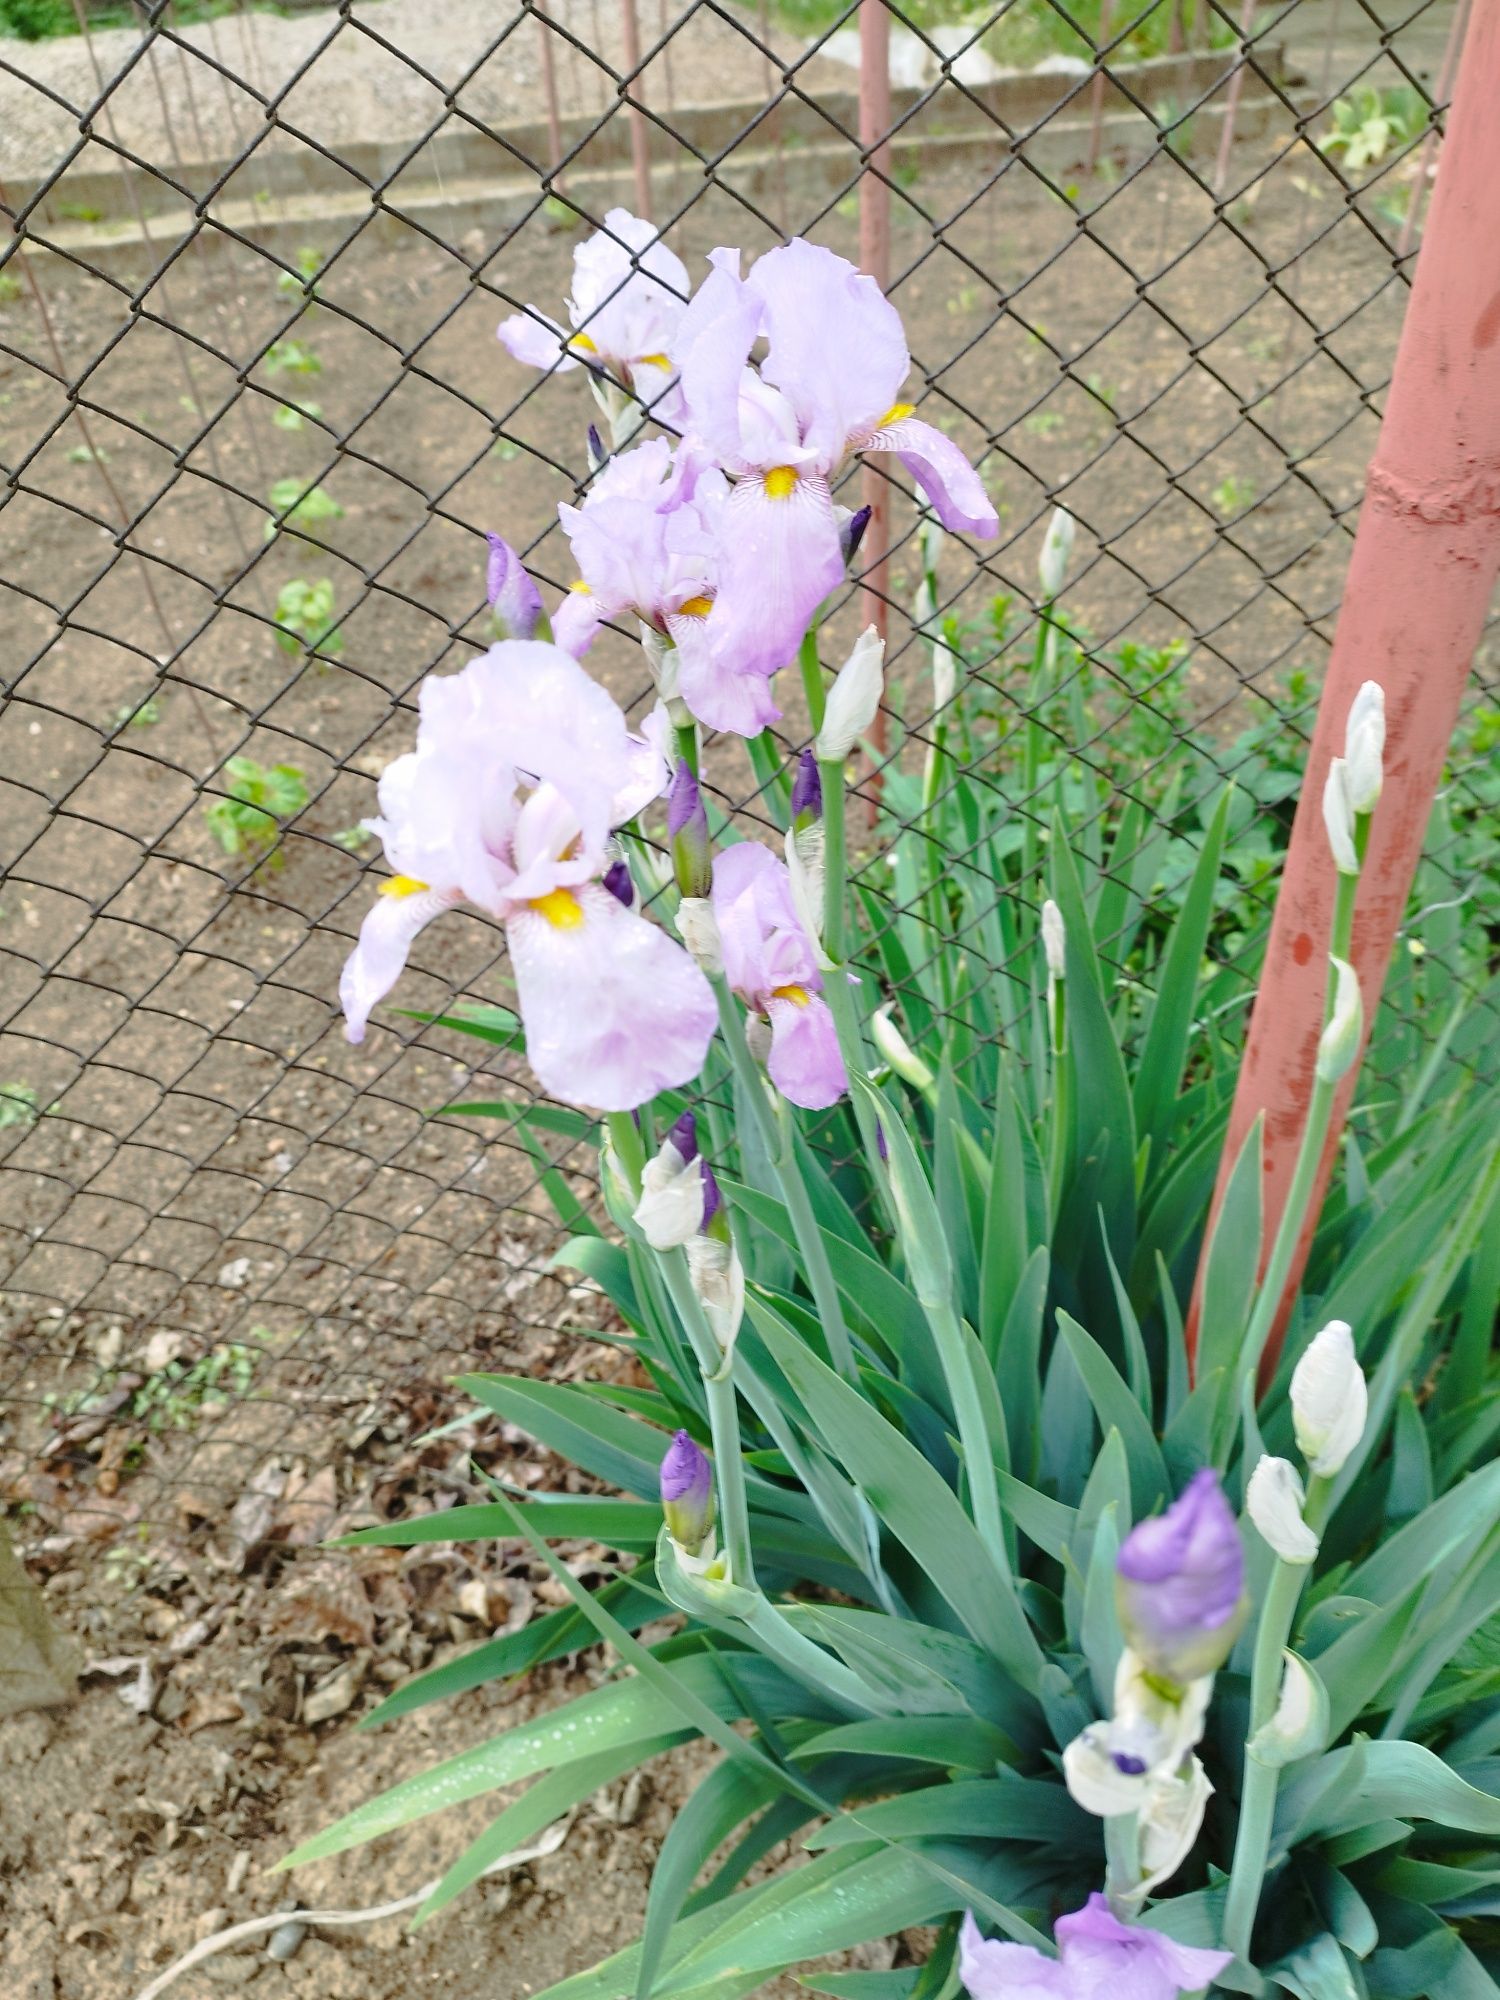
(1152, 260)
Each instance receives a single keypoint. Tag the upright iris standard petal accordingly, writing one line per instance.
(1128, 1962)
(615, 1010)
(1179, 1584)
(939, 467)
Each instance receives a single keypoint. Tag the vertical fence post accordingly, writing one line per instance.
(1426, 556)
(640, 137)
(875, 258)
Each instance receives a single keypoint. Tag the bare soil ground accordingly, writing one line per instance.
(205, 1179)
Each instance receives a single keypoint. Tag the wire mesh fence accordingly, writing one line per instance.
(1152, 261)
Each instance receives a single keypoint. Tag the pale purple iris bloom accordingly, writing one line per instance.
(770, 962)
(1099, 1958)
(647, 540)
(828, 386)
(1180, 1583)
(523, 766)
(629, 292)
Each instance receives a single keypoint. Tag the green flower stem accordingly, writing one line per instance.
(1122, 1863)
(1258, 1792)
(1031, 761)
(1062, 1103)
(686, 734)
(775, 1130)
(1309, 1153)
(812, 678)
(715, 1367)
(836, 990)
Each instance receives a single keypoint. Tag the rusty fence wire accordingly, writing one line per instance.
(1152, 260)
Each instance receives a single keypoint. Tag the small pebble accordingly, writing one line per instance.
(285, 1940)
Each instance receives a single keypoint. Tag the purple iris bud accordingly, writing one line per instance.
(687, 1493)
(597, 453)
(617, 880)
(713, 1204)
(687, 831)
(1180, 1584)
(852, 533)
(514, 597)
(880, 1141)
(807, 793)
(684, 1136)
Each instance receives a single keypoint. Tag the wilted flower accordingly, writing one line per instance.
(629, 293)
(670, 1210)
(512, 592)
(1338, 1044)
(1057, 550)
(853, 699)
(1111, 1766)
(522, 767)
(805, 846)
(1364, 747)
(714, 1267)
(1274, 1500)
(772, 963)
(852, 533)
(1097, 1956)
(1179, 1584)
(1330, 1399)
(1168, 1824)
(1338, 818)
(784, 430)
(687, 1493)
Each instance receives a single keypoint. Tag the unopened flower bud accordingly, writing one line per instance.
(514, 597)
(1338, 818)
(853, 699)
(1364, 747)
(1057, 550)
(1054, 940)
(898, 1053)
(1338, 1044)
(597, 455)
(687, 1493)
(698, 928)
(1330, 1400)
(719, 1280)
(670, 1209)
(1179, 1584)
(807, 792)
(617, 879)
(852, 533)
(1274, 1500)
(687, 833)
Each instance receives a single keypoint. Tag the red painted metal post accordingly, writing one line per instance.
(1426, 556)
(640, 135)
(875, 258)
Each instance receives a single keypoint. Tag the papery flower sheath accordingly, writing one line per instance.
(629, 292)
(522, 767)
(828, 386)
(1180, 1581)
(772, 964)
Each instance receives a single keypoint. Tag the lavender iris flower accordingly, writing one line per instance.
(1097, 1956)
(785, 430)
(514, 597)
(1180, 1583)
(687, 1493)
(629, 292)
(770, 962)
(522, 767)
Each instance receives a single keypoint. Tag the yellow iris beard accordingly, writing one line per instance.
(895, 414)
(582, 340)
(780, 481)
(402, 885)
(653, 361)
(695, 607)
(798, 995)
(560, 907)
